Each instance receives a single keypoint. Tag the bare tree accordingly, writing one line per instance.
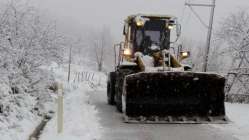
(102, 44)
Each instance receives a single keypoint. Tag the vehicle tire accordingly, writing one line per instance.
(119, 86)
(111, 89)
(119, 106)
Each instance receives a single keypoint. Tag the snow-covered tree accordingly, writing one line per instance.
(234, 34)
(27, 43)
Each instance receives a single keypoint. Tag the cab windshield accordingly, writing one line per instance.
(154, 36)
(153, 33)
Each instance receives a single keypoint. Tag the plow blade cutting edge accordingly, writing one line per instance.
(174, 97)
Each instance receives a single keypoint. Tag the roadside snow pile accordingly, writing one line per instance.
(80, 117)
(16, 119)
(80, 121)
(23, 103)
(239, 115)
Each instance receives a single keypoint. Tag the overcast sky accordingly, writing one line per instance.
(77, 14)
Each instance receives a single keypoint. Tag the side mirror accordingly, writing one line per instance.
(124, 30)
(174, 24)
(178, 30)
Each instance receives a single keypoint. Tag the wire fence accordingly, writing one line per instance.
(237, 85)
(90, 77)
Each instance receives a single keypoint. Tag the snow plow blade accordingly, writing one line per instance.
(174, 97)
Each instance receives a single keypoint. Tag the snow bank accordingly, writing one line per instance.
(85, 74)
(19, 122)
(80, 121)
(80, 117)
(239, 115)
(22, 105)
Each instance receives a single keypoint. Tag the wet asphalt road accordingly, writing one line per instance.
(115, 129)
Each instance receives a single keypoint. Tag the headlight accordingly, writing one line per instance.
(127, 51)
(185, 54)
(171, 27)
(140, 21)
(170, 24)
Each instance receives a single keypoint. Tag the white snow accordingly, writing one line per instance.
(18, 119)
(80, 117)
(81, 121)
(148, 61)
(127, 63)
(154, 47)
(239, 116)
(18, 129)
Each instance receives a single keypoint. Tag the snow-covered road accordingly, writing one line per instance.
(115, 129)
(239, 125)
(80, 119)
(83, 122)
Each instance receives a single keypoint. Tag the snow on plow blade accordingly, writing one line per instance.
(174, 97)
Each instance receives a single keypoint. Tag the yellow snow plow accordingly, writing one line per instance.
(150, 85)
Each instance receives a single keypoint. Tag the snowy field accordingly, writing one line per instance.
(239, 116)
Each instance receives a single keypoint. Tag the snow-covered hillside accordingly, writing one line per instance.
(21, 112)
(28, 41)
(19, 122)
(81, 121)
